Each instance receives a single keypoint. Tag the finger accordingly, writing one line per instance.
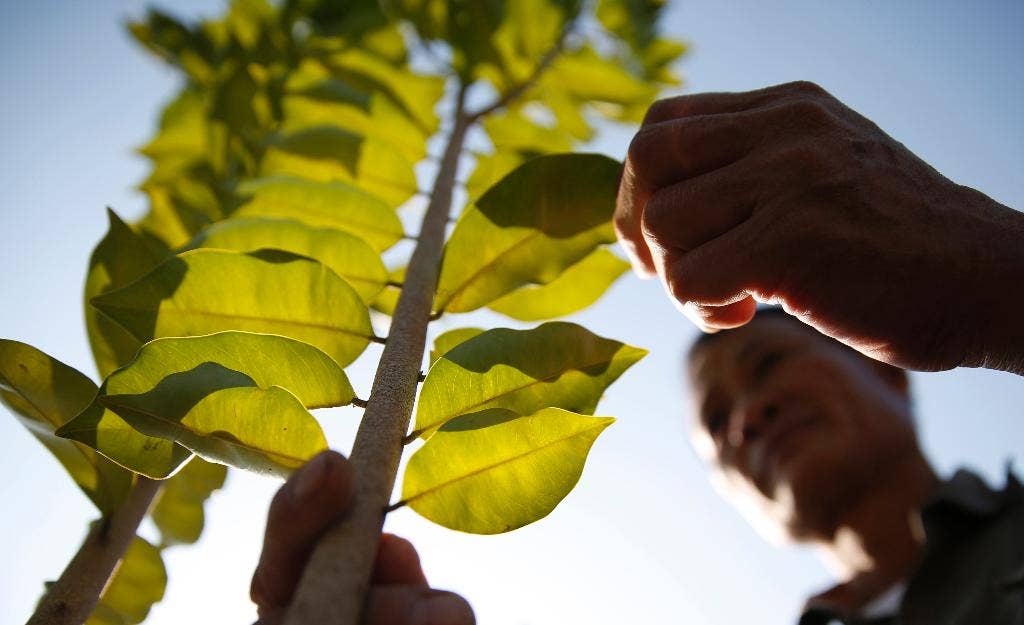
(416, 605)
(397, 563)
(723, 272)
(665, 154)
(717, 103)
(710, 318)
(302, 509)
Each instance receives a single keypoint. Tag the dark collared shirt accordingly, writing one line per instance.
(972, 569)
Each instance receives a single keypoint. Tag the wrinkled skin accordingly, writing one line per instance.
(785, 195)
(312, 498)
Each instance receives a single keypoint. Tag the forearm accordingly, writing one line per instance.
(999, 301)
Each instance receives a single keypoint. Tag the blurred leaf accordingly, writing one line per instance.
(207, 291)
(495, 471)
(265, 360)
(138, 582)
(330, 153)
(266, 431)
(634, 21)
(414, 93)
(514, 131)
(314, 98)
(326, 205)
(121, 257)
(178, 512)
(577, 287)
(541, 218)
(347, 255)
(44, 394)
(190, 49)
(181, 137)
(591, 77)
(556, 364)
(387, 299)
(445, 342)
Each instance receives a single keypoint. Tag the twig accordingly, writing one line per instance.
(72, 598)
(335, 581)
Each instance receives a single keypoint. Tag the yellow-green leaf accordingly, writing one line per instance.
(346, 254)
(588, 76)
(574, 289)
(121, 257)
(514, 131)
(541, 218)
(138, 582)
(178, 512)
(44, 394)
(387, 299)
(261, 430)
(556, 364)
(206, 291)
(445, 342)
(495, 471)
(329, 153)
(265, 359)
(489, 169)
(323, 204)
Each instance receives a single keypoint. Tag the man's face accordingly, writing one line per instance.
(796, 424)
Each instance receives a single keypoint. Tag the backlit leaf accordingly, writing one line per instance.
(206, 291)
(323, 204)
(541, 218)
(265, 360)
(44, 394)
(261, 430)
(329, 153)
(495, 471)
(387, 299)
(346, 254)
(574, 289)
(121, 257)
(178, 512)
(138, 582)
(445, 342)
(556, 364)
(489, 169)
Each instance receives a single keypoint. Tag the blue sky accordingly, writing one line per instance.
(643, 538)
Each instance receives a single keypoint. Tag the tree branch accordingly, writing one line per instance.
(334, 584)
(73, 597)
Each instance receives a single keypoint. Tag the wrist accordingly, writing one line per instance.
(997, 304)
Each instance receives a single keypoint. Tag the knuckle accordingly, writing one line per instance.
(805, 87)
(640, 151)
(663, 110)
(809, 112)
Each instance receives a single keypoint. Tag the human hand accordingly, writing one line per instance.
(784, 195)
(310, 500)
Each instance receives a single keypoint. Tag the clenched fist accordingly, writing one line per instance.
(784, 195)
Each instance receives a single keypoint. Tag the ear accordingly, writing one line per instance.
(894, 377)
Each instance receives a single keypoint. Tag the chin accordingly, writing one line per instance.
(813, 491)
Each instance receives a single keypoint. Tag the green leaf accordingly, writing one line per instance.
(514, 131)
(329, 153)
(314, 98)
(121, 257)
(556, 364)
(538, 220)
(206, 291)
(265, 360)
(445, 342)
(414, 93)
(346, 254)
(266, 431)
(178, 512)
(388, 298)
(588, 76)
(138, 582)
(574, 289)
(108, 433)
(44, 394)
(326, 205)
(489, 169)
(495, 471)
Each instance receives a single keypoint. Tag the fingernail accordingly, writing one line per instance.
(442, 609)
(310, 477)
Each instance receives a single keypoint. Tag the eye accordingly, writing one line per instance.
(716, 421)
(765, 364)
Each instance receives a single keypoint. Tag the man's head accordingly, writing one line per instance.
(798, 426)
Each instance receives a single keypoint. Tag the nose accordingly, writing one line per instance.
(749, 420)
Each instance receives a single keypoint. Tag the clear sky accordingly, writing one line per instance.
(643, 538)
